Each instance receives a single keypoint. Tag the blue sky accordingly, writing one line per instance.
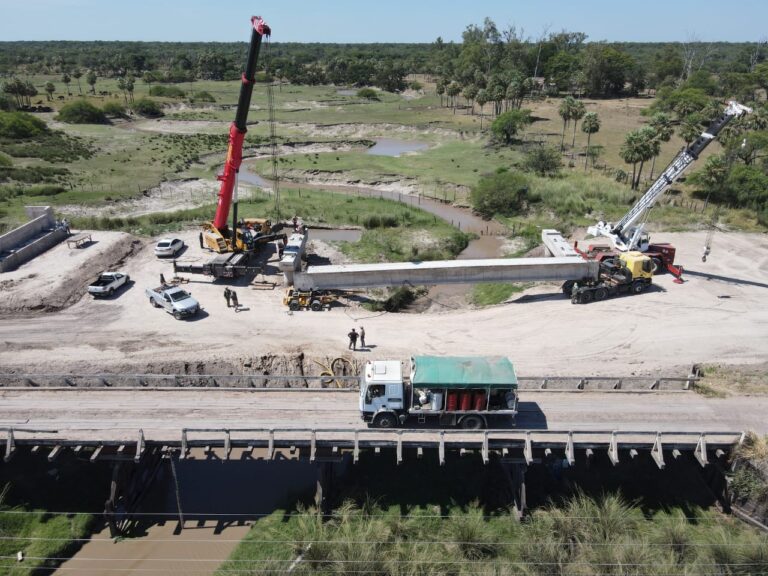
(378, 21)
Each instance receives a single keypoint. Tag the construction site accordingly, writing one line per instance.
(150, 380)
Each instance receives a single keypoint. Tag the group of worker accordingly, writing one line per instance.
(354, 335)
(231, 297)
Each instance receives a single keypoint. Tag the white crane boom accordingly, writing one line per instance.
(626, 234)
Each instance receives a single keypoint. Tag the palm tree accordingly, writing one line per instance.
(470, 93)
(50, 89)
(565, 113)
(689, 129)
(77, 74)
(577, 113)
(482, 100)
(440, 89)
(90, 78)
(66, 79)
(662, 124)
(453, 90)
(590, 125)
(650, 147)
(631, 152)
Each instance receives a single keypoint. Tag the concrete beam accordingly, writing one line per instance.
(558, 246)
(445, 272)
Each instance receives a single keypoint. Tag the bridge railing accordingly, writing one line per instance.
(299, 382)
(334, 441)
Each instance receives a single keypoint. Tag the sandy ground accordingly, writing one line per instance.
(718, 315)
(60, 276)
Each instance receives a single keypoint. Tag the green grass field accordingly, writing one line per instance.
(133, 157)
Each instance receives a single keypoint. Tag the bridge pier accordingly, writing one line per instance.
(323, 486)
(515, 473)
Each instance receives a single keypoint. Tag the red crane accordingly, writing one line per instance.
(238, 128)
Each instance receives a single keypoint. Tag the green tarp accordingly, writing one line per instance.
(463, 372)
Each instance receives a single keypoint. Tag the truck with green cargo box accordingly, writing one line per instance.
(471, 392)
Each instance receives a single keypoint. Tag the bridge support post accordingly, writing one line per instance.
(516, 475)
(323, 486)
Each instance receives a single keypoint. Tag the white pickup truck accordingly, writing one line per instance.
(175, 301)
(108, 283)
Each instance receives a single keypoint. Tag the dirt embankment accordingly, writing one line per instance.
(62, 277)
(295, 370)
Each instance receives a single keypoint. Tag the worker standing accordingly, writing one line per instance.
(352, 339)
(234, 300)
(227, 295)
(362, 337)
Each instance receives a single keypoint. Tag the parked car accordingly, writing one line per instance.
(169, 247)
(108, 283)
(174, 300)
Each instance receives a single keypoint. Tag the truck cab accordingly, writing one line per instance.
(382, 390)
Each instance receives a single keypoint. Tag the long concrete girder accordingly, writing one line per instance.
(116, 415)
(445, 272)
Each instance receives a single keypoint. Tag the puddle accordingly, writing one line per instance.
(249, 177)
(346, 92)
(393, 147)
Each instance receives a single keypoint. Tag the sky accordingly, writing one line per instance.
(353, 21)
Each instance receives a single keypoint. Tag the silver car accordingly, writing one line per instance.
(169, 247)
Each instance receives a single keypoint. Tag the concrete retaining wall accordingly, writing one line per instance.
(445, 272)
(15, 246)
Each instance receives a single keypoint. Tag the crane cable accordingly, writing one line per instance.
(272, 129)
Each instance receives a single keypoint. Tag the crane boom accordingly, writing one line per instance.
(238, 128)
(625, 234)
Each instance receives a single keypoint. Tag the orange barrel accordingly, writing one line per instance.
(479, 400)
(452, 401)
(466, 400)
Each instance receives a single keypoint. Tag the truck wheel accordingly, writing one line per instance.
(638, 286)
(568, 287)
(472, 422)
(111, 292)
(385, 420)
(177, 314)
(316, 306)
(293, 305)
(154, 304)
(601, 293)
(127, 279)
(587, 296)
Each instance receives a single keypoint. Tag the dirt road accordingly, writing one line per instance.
(718, 315)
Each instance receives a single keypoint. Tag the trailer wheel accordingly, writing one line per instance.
(384, 420)
(472, 422)
(638, 286)
(316, 306)
(601, 293)
(293, 305)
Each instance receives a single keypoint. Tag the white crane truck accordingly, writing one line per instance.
(471, 392)
(629, 233)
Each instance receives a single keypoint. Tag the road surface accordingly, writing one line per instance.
(119, 414)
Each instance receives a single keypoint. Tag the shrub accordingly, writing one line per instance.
(375, 221)
(167, 92)
(148, 108)
(543, 160)
(114, 109)
(81, 112)
(503, 193)
(507, 125)
(20, 125)
(416, 85)
(5, 162)
(46, 190)
(368, 94)
(202, 96)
